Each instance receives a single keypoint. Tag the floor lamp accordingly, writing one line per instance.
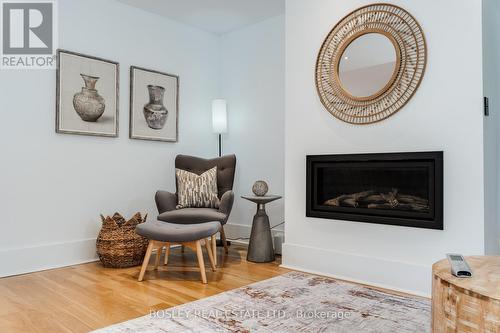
(219, 126)
(219, 119)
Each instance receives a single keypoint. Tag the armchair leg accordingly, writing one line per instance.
(224, 241)
(210, 253)
(214, 249)
(201, 262)
(167, 252)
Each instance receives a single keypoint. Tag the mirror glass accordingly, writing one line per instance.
(367, 65)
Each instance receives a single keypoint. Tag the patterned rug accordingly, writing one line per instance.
(293, 302)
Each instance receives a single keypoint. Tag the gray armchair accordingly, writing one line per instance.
(166, 201)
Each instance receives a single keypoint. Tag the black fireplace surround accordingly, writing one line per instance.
(404, 189)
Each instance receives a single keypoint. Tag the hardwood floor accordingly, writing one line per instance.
(86, 297)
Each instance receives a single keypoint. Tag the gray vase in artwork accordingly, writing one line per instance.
(154, 111)
(260, 188)
(88, 103)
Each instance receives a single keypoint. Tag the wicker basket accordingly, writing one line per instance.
(118, 245)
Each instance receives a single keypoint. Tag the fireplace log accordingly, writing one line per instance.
(374, 198)
(391, 197)
(336, 201)
(401, 206)
(349, 200)
(404, 198)
(391, 200)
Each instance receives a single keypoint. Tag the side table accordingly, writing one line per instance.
(467, 305)
(260, 248)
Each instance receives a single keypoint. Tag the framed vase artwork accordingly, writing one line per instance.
(87, 95)
(154, 105)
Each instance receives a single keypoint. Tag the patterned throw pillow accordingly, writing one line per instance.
(197, 191)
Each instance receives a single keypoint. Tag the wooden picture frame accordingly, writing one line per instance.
(89, 106)
(154, 105)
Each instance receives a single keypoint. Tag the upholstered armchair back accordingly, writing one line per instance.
(226, 166)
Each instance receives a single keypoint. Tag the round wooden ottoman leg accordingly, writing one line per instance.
(146, 260)
(159, 250)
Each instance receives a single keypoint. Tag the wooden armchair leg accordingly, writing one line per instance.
(224, 241)
(208, 246)
(214, 248)
(167, 252)
(146, 260)
(201, 262)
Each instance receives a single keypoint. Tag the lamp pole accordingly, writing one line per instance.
(220, 145)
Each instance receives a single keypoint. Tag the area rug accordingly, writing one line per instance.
(293, 302)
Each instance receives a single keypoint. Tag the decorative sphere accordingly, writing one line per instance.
(260, 188)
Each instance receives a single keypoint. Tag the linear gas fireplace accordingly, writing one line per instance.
(403, 189)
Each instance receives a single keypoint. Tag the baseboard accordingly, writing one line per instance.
(48, 256)
(235, 232)
(378, 272)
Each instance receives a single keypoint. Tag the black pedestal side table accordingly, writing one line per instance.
(260, 248)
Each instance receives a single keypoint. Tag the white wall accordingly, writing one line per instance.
(253, 74)
(54, 186)
(445, 114)
(491, 72)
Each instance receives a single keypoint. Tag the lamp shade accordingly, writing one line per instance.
(219, 116)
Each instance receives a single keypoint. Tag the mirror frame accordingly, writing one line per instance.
(411, 49)
(340, 55)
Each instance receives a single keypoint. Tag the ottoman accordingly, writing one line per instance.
(164, 234)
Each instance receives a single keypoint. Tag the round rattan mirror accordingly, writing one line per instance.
(371, 64)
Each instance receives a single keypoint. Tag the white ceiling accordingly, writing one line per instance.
(217, 16)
